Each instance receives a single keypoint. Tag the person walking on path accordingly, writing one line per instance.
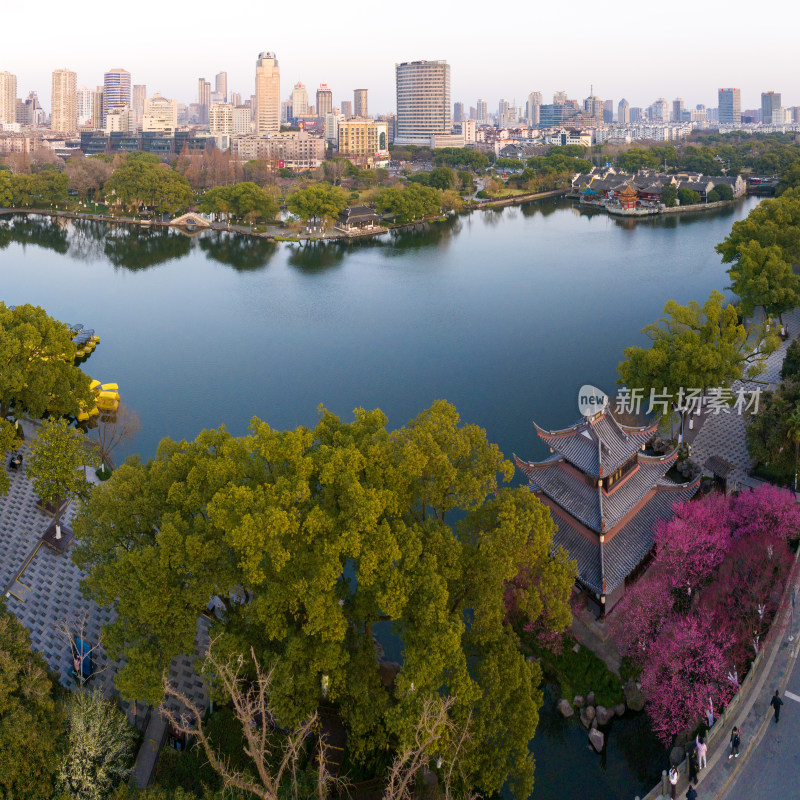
(673, 781)
(691, 793)
(702, 749)
(693, 765)
(776, 703)
(735, 742)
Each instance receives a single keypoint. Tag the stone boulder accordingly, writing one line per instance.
(579, 702)
(619, 709)
(676, 755)
(590, 699)
(603, 715)
(634, 698)
(586, 717)
(596, 739)
(576, 648)
(565, 708)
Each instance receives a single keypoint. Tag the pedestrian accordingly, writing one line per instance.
(702, 749)
(673, 781)
(735, 742)
(693, 765)
(691, 793)
(776, 703)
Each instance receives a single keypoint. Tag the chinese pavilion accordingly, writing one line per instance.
(606, 492)
(628, 198)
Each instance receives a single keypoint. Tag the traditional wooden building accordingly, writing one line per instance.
(606, 492)
(628, 198)
(358, 218)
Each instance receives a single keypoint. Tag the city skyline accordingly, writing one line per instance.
(343, 58)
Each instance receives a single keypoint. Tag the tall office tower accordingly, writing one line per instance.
(770, 103)
(139, 97)
(532, 107)
(236, 99)
(160, 115)
(660, 110)
(559, 98)
(299, 100)
(221, 85)
(8, 97)
(34, 113)
(116, 91)
(677, 109)
(593, 106)
(97, 109)
(324, 100)
(203, 99)
(268, 94)
(482, 110)
(730, 106)
(64, 115)
(623, 112)
(458, 112)
(473, 113)
(502, 107)
(635, 114)
(360, 108)
(423, 101)
(347, 108)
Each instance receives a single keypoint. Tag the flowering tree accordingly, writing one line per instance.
(766, 509)
(687, 665)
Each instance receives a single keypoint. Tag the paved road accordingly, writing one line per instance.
(773, 768)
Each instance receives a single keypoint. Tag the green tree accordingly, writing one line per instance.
(790, 370)
(6, 191)
(329, 532)
(724, 192)
(466, 179)
(694, 347)
(761, 277)
(245, 200)
(30, 722)
(688, 197)
(669, 195)
(793, 431)
(100, 748)
(320, 201)
(790, 179)
(55, 466)
(142, 180)
(410, 203)
(442, 178)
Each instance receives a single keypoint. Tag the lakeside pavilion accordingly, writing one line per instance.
(606, 492)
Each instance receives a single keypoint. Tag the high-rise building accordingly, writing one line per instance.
(268, 94)
(299, 100)
(236, 99)
(139, 96)
(458, 112)
(482, 110)
(347, 108)
(473, 113)
(34, 113)
(532, 108)
(593, 107)
(559, 98)
(635, 113)
(608, 111)
(364, 139)
(677, 109)
(220, 118)
(160, 115)
(623, 112)
(203, 99)
(730, 106)
(98, 104)
(241, 120)
(116, 90)
(64, 115)
(659, 111)
(221, 85)
(423, 101)
(360, 107)
(324, 100)
(8, 97)
(770, 103)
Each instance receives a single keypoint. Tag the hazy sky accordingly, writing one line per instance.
(641, 52)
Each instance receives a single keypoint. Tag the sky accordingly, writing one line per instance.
(641, 52)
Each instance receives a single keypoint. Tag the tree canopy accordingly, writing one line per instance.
(319, 201)
(326, 533)
(410, 203)
(142, 180)
(244, 200)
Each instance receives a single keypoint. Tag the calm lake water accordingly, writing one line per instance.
(505, 313)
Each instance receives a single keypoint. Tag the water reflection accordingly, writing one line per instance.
(314, 257)
(243, 253)
(136, 249)
(426, 234)
(47, 232)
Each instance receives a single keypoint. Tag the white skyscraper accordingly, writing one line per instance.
(423, 101)
(268, 94)
(84, 100)
(299, 100)
(8, 97)
(64, 116)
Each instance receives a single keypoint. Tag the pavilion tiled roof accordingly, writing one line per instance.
(597, 446)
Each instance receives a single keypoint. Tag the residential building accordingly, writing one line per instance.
(221, 86)
(332, 122)
(482, 110)
(203, 99)
(469, 130)
(299, 101)
(423, 101)
(139, 96)
(730, 106)
(606, 492)
(236, 99)
(8, 97)
(116, 91)
(296, 150)
(360, 106)
(268, 94)
(458, 112)
(241, 121)
(324, 100)
(220, 119)
(84, 105)
(659, 111)
(770, 102)
(532, 108)
(120, 119)
(366, 141)
(677, 110)
(608, 112)
(635, 113)
(347, 108)
(473, 113)
(559, 98)
(64, 114)
(34, 113)
(160, 115)
(98, 117)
